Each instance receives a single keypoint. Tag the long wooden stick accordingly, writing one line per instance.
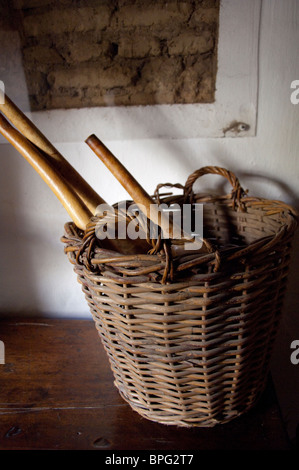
(75, 207)
(135, 190)
(34, 135)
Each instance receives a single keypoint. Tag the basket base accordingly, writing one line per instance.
(182, 420)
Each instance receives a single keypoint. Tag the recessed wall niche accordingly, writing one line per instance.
(91, 53)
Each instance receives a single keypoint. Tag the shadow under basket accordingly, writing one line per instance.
(189, 336)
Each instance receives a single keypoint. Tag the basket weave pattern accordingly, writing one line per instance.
(193, 349)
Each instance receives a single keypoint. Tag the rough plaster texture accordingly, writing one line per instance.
(121, 52)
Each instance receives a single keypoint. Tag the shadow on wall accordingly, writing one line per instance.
(17, 277)
(284, 371)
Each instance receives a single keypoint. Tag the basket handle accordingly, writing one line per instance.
(237, 191)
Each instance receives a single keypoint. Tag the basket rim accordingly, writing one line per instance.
(145, 264)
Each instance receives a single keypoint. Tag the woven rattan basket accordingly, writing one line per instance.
(189, 338)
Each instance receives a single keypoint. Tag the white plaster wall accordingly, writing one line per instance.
(36, 277)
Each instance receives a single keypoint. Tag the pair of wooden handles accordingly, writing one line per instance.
(75, 194)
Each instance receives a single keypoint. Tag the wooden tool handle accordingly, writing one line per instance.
(75, 207)
(34, 135)
(130, 184)
(135, 190)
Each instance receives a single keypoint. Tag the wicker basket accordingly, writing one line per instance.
(189, 338)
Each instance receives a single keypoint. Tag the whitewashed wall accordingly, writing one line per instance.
(35, 275)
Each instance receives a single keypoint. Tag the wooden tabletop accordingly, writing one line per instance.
(57, 392)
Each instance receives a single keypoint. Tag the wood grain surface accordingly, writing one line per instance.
(57, 393)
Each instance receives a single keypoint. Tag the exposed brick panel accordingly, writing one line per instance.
(118, 52)
(69, 20)
(153, 14)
